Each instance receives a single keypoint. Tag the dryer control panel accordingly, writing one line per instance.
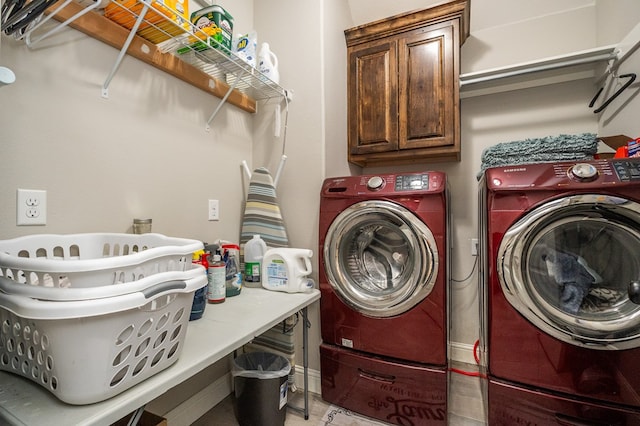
(565, 175)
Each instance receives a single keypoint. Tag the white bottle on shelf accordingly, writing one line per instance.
(268, 63)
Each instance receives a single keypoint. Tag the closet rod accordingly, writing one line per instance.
(544, 65)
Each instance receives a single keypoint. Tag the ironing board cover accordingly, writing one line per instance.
(262, 217)
(262, 214)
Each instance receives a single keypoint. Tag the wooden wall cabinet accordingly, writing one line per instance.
(403, 90)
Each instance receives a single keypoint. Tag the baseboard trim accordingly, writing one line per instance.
(314, 379)
(462, 352)
(200, 403)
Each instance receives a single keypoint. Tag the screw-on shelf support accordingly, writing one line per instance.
(123, 51)
(224, 99)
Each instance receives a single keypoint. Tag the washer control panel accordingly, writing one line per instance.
(412, 182)
(627, 170)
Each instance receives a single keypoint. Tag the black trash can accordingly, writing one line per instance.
(260, 383)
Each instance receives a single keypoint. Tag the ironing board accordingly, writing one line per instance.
(262, 214)
(262, 217)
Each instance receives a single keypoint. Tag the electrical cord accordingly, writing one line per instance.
(475, 264)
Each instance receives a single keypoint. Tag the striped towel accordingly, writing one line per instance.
(262, 217)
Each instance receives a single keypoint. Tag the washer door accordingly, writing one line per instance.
(572, 268)
(380, 259)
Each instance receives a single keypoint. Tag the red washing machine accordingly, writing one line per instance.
(562, 285)
(383, 245)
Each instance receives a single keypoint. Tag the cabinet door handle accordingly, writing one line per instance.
(376, 376)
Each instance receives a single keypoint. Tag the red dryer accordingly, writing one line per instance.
(383, 244)
(562, 297)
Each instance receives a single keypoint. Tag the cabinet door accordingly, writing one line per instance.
(427, 94)
(373, 98)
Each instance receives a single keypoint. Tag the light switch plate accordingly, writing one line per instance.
(214, 210)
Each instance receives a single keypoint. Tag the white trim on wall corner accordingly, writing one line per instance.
(461, 352)
(314, 380)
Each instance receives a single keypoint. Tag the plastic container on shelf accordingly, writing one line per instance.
(216, 290)
(287, 269)
(86, 344)
(254, 251)
(200, 296)
(268, 63)
(245, 46)
(233, 274)
(215, 16)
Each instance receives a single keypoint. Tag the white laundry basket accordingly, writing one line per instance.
(92, 260)
(88, 344)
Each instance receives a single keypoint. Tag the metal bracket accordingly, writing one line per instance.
(125, 47)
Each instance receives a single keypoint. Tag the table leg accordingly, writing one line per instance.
(305, 362)
(135, 418)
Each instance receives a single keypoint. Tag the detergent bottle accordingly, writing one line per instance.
(268, 63)
(254, 251)
(287, 269)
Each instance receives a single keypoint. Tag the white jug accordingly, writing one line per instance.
(287, 269)
(254, 251)
(268, 63)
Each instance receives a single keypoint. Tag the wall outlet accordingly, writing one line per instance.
(474, 247)
(214, 210)
(31, 207)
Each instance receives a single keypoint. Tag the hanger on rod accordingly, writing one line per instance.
(631, 78)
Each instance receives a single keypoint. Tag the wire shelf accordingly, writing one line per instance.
(175, 35)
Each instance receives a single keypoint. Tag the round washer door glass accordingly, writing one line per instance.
(572, 268)
(380, 258)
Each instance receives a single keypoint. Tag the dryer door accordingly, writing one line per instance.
(380, 259)
(572, 268)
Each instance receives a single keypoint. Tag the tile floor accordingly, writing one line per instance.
(466, 404)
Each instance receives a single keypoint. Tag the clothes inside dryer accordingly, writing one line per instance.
(383, 259)
(571, 265)
(584, 267)
(377, 257)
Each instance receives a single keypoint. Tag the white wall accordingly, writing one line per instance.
(143, 152)
(615, 20)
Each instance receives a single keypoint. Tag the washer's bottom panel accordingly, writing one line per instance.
(514, 405)
(405, 394)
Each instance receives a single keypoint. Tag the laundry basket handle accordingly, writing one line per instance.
(162, 287)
